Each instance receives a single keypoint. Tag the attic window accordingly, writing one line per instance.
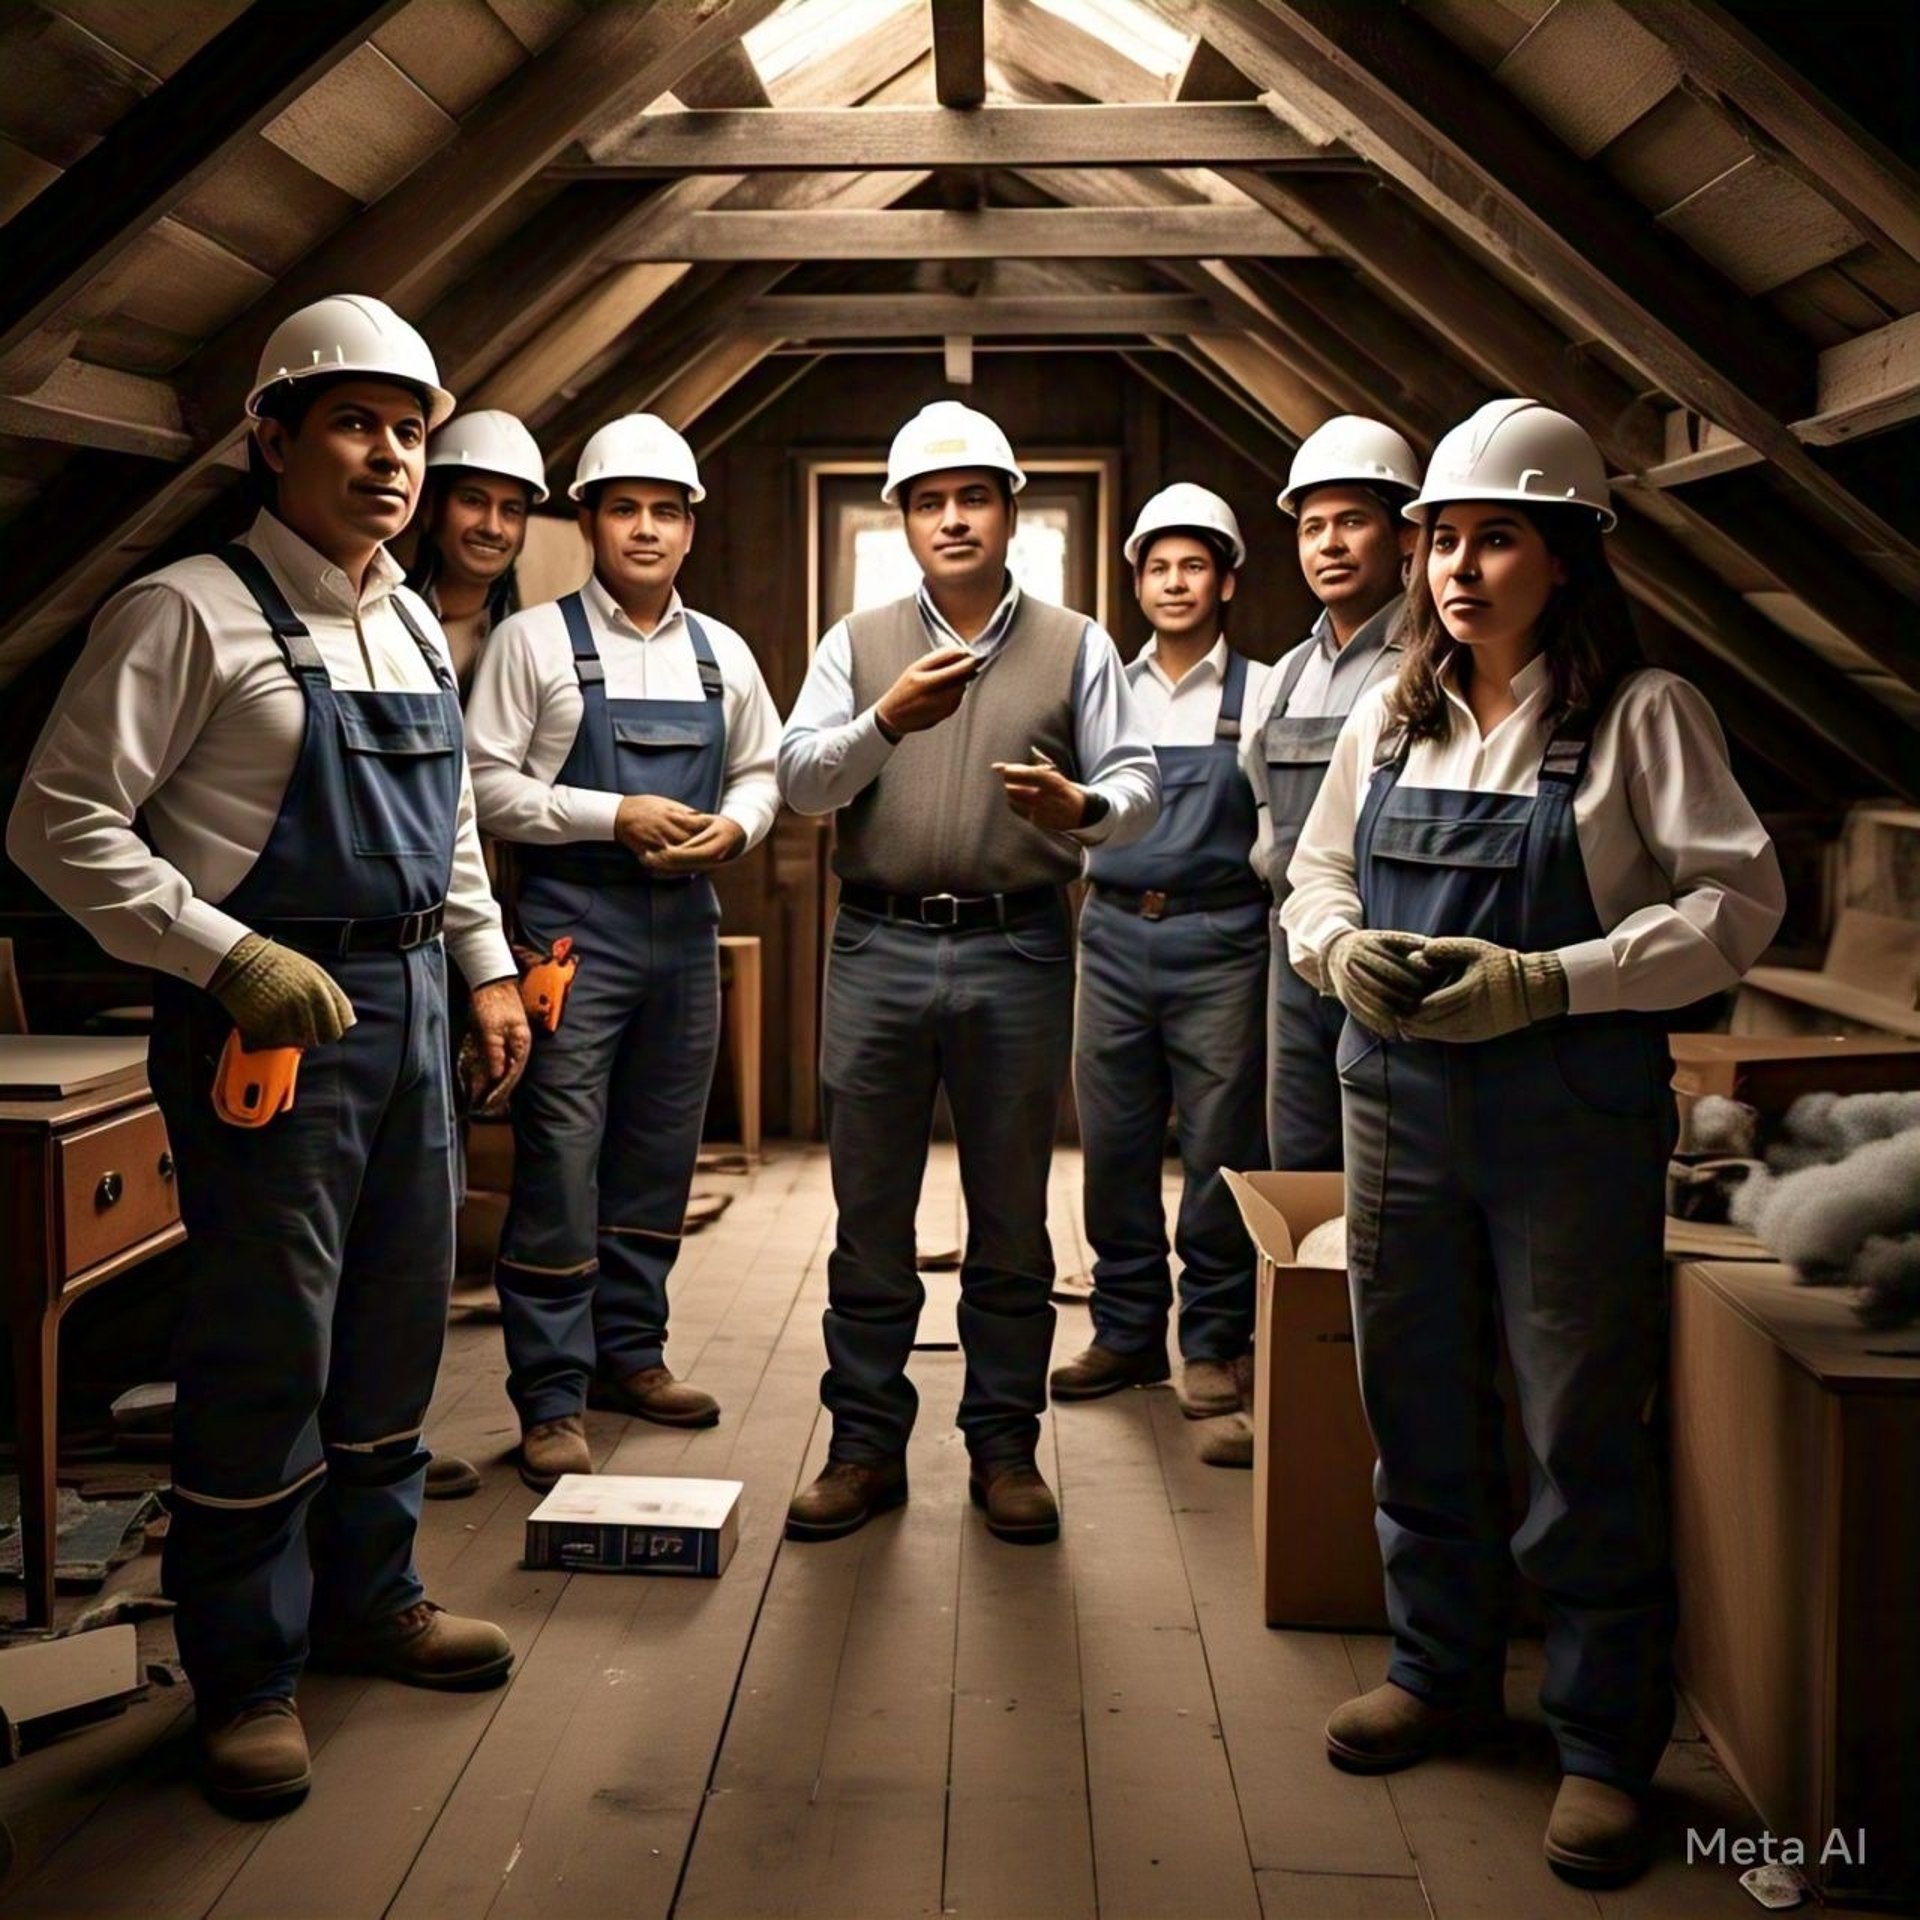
(804, 30)
(1145, 36)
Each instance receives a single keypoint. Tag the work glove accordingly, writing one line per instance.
(1378, 977)
(279, 998)
(1489, 991)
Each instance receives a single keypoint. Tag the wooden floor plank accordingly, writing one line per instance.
(1341, 1896)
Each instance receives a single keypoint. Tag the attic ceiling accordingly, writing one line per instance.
(1639, 211)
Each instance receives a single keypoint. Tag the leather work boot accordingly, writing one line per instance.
(1391, 1728)
(423, 1646)
(450, 1478)
(550, 1448)
(1207, 1389)
(654, 1394)
(1019, 1505)
(256, 1762)
(1597, 1834)
(845, 1496)
(1099, 1370)
(1227, 1442)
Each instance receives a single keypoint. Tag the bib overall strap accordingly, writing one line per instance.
(442, 676)
(596, 719)
(288, 629)
(1233, 698)
(1565, 759)
(1290, 680)
(712, 686)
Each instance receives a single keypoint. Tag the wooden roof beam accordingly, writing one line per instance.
(750, 398)
(1030, 43)
(82, 405)
(959, 52)
(1405, 98)
(866, 139)
(897, 316)
(1210, 75)
(165, 146)
(1188, 381)
(992, 233)
(729, 79)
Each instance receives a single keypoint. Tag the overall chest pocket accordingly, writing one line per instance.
(400, 760)
(1302, 743)
(666, 755)
(1435, 840)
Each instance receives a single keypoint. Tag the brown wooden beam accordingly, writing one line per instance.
(894, 316)
(1031, 44)
(165, 145)
(959, 52)
(1222, 414)
(868, 139)
(729, 79)
(751, 398)
(83, 405)
(992, 233)
(1210, 75)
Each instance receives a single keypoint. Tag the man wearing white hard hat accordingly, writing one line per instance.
(974, 742)
(1527, 854)
(1173, 979)
(625, 745)
(306, 835)
(1349, 480)
(484, 477)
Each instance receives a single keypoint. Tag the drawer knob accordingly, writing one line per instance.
(107, 1193)
(166, 1166)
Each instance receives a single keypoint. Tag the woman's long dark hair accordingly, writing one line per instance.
(503, 597)
(1586, 631)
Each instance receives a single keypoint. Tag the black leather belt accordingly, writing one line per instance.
(1153, 905)
(397, 933)
(952, 912)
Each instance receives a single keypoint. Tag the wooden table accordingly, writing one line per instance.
(86, 1192)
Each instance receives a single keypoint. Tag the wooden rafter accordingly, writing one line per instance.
(959, 52)
(1210, 75)
(895, 316)
(165, 146)
(871, 138)
(992, 233)
(1222, 412)
(1029, 44)
(750, 398)
(87, 406)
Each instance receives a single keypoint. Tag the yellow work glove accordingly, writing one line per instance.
(1489, 991)
(1377, 977)
(279, 998)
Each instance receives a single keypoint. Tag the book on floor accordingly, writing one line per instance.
(633, 1523)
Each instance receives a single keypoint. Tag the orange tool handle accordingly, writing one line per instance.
(249, 1089)
(544, 991)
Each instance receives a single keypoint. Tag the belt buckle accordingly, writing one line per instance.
(413, 930)
(951, 903)
(1153, 904)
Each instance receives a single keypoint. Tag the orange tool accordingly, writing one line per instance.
(249, 1089)
(544, 991)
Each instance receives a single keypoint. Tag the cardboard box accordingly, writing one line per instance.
(1313, 1537)
(632, 1523)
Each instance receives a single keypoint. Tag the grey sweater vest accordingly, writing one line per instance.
(936, 819)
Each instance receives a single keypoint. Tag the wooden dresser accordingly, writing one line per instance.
(86, 1192)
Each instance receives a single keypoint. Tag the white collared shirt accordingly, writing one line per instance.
(524, 712)
(181, 710)
(1683, 875)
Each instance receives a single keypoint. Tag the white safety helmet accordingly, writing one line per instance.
(489, 441)
(944, 435)
(349, 333)
(1350, 447)
(1516, 450)
(637, 446)
(1186, 508)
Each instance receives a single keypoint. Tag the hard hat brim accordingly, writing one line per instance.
(695, 491)
(440, 403)
(890, 493)
(1417, 510)
(540, 494)
(1137, 541)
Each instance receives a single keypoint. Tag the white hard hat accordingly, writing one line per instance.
(489, 441)
(637, 446)
(1516, 450)
(944, 435)
(349, 333)
(1351, 447)
(1188, 509)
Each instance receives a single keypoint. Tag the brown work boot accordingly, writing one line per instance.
(550, 1448)
(1207, 1389)
(450, 1478)
(1227, 1442)
(255, 1763)
(845, 1496)
(1597, 1834)
(1099, 1370)
(1391, 1728)
(423, 1646)
(654, 1394)
(1019, 1505)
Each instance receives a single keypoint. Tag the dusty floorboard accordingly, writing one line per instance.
(917, 1720)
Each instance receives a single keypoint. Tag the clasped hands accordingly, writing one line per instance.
(1405, 986)
(669, 838)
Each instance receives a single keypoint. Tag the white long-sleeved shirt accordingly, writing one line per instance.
(1186, 713)
(830, 753)
(524, 712)
(1684, 877)
(181, 709)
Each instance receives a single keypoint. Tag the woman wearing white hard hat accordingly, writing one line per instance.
(484, 477)
(1173, 976)
(308, 835)
(625, 745)
(973, 741)
(1349, 480)
(1528, 852)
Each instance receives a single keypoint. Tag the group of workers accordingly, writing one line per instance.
(1414, 902)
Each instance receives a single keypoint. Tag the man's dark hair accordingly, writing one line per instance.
(290, 401)
(1216, 544)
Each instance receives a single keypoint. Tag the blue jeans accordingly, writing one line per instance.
(606, 1131)
(1171, 1014)
(989, 1014)
(1303, 1084)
